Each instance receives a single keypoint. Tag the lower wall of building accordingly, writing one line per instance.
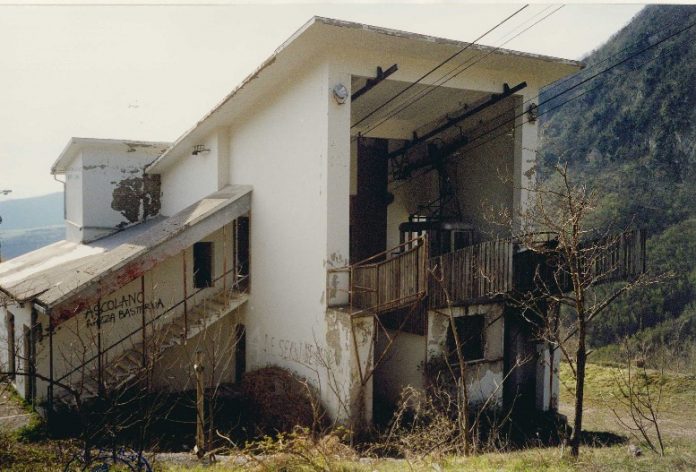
(16, 344)
(333, 356)
(402, 364)
(218, 347)
(484, 377)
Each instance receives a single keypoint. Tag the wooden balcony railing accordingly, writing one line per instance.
(390, 279)
(475, 272)
(618, 257)
(396, 278)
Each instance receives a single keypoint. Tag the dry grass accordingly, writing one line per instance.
(679, 425)
(301, 452)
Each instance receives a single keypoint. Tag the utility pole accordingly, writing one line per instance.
(3, 192)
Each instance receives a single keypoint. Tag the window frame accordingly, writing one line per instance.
(450, 348)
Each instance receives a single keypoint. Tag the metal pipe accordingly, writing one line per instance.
(224, 263)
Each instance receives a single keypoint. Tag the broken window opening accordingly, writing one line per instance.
(471, 331)
(203, 264)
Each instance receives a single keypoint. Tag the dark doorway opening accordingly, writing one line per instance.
(202, 264)
(243, 252)
(368, 207)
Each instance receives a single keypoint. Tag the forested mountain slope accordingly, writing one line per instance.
(631, 135)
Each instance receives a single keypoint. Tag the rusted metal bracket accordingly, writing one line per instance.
(450, 122)
(371, 83)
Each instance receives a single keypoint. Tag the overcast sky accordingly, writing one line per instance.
(150, 72)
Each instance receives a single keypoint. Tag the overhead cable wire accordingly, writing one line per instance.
(594, 76)
(576, 75)
(458, 70)
(560, 82)
(458, 155)
(441, 64)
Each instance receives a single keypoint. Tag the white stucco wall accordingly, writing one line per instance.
(282, 151)
(192, 178)
(74, 200)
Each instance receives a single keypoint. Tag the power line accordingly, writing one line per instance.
(413, 84)
(569, 89)
(592, 77)
(456, 72)
(553, 86)
(573, 76)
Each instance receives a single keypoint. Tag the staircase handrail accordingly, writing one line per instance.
(148, 323)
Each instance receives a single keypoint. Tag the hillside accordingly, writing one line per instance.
(633, 140)
(34, 212)
(30, 223)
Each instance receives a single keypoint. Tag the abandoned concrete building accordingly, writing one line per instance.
(295, 225)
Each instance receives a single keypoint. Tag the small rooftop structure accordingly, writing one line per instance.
(106, 188)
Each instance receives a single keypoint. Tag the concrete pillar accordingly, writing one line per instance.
(543, 377)
(526, 141)
(338, 187)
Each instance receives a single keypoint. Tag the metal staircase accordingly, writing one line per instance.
(100, 374)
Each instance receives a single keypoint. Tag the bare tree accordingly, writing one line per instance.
(571, 257)
(640, 390)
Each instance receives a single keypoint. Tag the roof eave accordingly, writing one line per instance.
(170, 155)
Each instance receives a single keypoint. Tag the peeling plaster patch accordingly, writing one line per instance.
(151, 196)
(132, 146)
(126, 198)
(323, 294)
(530, 173)
(100, 166)
(137, 198)
(333, 287)
(336, 258)
(333, 336)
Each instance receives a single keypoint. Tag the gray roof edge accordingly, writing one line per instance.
(60, 164)
(49, 304)
(441, 40)
(346, 24)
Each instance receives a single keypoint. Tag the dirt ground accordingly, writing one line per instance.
(676, 409)
(12, 415)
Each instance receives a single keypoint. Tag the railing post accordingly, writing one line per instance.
(142, 318)
(200, 405)
(185, 297)
(50, 371)
(224, 264)
(100, 372)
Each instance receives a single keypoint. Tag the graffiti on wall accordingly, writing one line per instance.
(119, 308)
(300, 352)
